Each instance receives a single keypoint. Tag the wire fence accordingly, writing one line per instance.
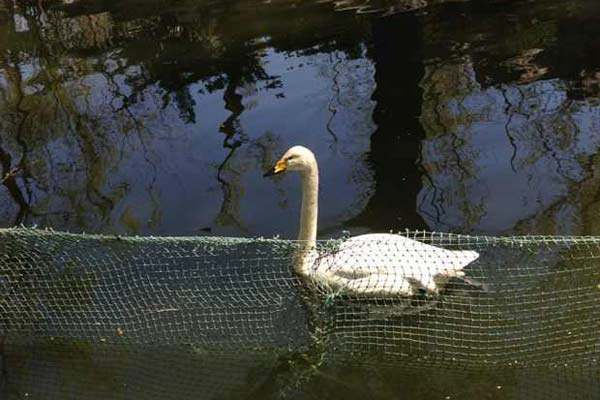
(234, 315)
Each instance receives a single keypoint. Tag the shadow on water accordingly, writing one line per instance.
(60, 370)
(394, 153)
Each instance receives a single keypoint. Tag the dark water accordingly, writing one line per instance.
(159, 117)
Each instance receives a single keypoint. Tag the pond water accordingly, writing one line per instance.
(159, 117)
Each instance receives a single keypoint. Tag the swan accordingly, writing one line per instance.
(372, 265)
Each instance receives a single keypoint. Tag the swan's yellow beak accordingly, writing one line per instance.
(281, 166)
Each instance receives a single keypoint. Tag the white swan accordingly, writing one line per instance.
(373, 265)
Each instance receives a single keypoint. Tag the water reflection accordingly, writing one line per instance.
(511, 133)
(160, 117)
(159, 120)
(500, 156)
(112, 132)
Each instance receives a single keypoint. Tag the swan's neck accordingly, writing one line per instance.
(310, 207)
(308, 217)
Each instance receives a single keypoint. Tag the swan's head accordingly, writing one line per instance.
(297, 158)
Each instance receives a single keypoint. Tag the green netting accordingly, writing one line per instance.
(231, 316)
(217, 292)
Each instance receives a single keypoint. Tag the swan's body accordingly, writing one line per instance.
(373, 265)
(383, 265)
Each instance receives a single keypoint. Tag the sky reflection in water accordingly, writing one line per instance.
(159, 119)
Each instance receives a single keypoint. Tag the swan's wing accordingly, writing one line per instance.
(388, 254)
(379, 286)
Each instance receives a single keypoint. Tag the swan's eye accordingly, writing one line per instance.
(288, 158)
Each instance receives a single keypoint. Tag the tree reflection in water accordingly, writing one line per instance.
(130, 122)
(511, 131)
(159, 118)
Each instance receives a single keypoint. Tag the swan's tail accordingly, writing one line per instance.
(458, 260)
(462, 259)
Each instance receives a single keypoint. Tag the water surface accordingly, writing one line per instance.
(159, 118)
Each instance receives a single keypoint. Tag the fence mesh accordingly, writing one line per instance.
(230, 317)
